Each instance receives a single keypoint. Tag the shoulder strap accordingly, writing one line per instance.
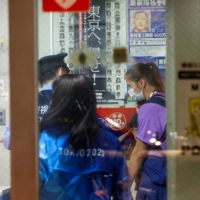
(156, 99)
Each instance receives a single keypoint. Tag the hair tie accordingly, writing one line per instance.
(150, 67)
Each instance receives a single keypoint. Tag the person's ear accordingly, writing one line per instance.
(60, 71)
(142, 83)
(40, 85)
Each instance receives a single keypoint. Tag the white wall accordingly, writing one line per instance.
(4, 101)
(44, 34)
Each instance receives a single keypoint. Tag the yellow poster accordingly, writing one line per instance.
(194, 108)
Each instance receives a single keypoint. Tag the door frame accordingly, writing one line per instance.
(23, 99)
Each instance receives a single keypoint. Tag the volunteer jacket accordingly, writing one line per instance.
(67, 175)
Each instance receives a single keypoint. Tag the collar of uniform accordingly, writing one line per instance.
(46, 87)
(152, 93)
(158, 93)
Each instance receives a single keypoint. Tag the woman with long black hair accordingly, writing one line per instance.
(146, 83)
(78, 158)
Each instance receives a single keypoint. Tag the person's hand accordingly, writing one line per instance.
(102, 194)
(122, 137)
(3, 141)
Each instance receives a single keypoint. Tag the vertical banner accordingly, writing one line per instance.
(64, 37)
(94, 37)
(103, 28)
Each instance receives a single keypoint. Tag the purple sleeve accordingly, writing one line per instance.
(146, 131)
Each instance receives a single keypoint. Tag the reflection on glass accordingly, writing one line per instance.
(99, 31)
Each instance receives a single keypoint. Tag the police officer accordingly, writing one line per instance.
(49, 68)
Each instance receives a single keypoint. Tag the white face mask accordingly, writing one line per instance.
(137, 97)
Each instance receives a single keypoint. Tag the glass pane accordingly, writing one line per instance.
(101, 45)
(4, 100)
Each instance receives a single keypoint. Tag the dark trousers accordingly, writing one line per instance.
(153, 180)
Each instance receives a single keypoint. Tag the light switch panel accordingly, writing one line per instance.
(2, 40)
(2, 117)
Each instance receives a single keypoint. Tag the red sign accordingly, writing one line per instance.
(117, 118)
(66, 5)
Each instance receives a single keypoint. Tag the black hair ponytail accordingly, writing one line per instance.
(73, 106)
(157, 78)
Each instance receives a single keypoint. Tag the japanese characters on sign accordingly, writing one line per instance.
(114, 31)
(64, 35)
(93, 20)
(147, 2)
(92, 31)
(94, 37)
(63, 32)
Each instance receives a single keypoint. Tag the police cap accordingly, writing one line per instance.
(51, 62)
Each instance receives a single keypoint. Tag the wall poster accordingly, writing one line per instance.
(102, 29)
(147, 33)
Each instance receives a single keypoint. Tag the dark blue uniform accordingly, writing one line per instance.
(65, 174)
(45, 64)
(44, 99)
